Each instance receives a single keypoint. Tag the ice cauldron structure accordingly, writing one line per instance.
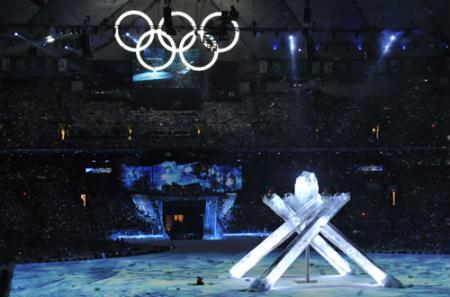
(308, 214)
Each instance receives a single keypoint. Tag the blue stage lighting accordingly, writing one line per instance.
(127, 34)
(275, 46)
(404, 47)
(16, 34)
(359, 47)
(388, 42)
(292, 43)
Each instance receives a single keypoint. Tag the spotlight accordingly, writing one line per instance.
(299, 49)
(359, 47)
(404, 47)
(389, 41)
(49, 39)
(292, 43)
(127, 34)
(275, 46)
(66, 47)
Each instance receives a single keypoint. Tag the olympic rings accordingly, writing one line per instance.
(171, 46)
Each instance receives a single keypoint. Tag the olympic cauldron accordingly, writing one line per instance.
(308, 214)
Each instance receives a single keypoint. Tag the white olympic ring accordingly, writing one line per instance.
(117, 35)
(201, 32)
(197, 68)
(141, 60)
(194, 28)
(172, 47)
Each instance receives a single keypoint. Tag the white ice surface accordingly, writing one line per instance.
(172, 273)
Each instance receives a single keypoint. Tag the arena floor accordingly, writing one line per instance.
(174, 274)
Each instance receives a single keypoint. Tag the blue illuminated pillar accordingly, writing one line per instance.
(211, 228)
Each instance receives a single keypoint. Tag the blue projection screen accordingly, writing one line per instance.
(177, 75)
(217, 178)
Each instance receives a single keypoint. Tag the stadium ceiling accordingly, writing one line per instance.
(430, 17)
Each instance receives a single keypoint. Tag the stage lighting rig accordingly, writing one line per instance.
(234, 14)
(219, 29)
(221, 32)
(168, 23)
(307, 18)
(254, 26)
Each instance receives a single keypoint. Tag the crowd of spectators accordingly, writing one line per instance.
(43, 217)
(34, 117)
(42, 213)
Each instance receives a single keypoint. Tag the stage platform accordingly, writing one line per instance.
(175, 272)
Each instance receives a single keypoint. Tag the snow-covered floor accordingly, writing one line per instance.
(174, 273)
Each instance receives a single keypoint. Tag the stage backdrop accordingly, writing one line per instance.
(210, 177)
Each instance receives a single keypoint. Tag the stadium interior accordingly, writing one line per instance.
(103, 157)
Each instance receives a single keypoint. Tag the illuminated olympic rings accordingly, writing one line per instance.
(186, 42)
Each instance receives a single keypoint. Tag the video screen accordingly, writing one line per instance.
(218, 178)
(98, 170)
(370, 168)
(177, 75)
(135, 177)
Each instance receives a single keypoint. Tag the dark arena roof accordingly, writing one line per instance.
(154, 128)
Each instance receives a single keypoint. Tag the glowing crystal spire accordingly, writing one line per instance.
(307, 213)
